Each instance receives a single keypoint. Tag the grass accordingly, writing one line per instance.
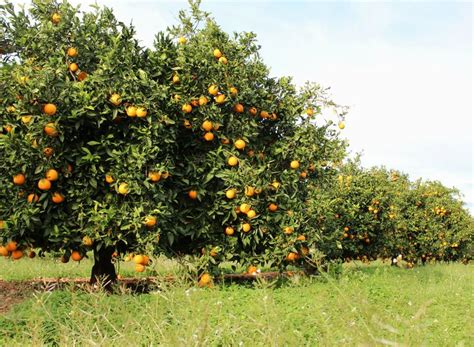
(366, 305)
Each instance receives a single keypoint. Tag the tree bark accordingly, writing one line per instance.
(103, 271)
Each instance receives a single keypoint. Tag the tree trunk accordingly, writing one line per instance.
(103, 271)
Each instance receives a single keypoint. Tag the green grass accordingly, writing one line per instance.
(366, 305)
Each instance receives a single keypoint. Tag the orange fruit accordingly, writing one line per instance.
(71, 52)
(292, 256)
(2, 224)
(32, 198)
(11, 109)
(193, 194)
(220, 99)
(208, 136)
(246, 227)
(207, 125)
(233, 91)
(44, 184)
(76, 256)
(139, 259)
(273, 207)
(56, 18)
(303, 174)
(154, 176)
(301, 238)
(205, 280)
(81, 76)
(139, 267)
(203, 101)
(26, 119)
(194, 103)
(52, 175)
(252, 270)
(115, 99)
(141, 112)
(175, 79)
(233, 161)
(123, 188)
(11, 246)
(50, 109)
(213, 89)
(73, 67)
(19, 179)
(217, 53)
(239, 144)
(48, 151)
(295, 164)
(17, 254)
(288, 230)
(4, 252)
(225, 141)
(251, 214)
(150, 221)
(109, 179)
(341, 125)
(245, 208)
(346, 228)
(131, 111)
(50, 130)
(249, 191)
(229, 231)
(187, 124)
(87, 241)
(186, 108)
(238, 108)
(264, 114)
(223, 60)
(182, 40)
(230, 194)
(57, 198)
(253, 111)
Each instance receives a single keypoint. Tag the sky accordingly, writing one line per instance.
(403, 68)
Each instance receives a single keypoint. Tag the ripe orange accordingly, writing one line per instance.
(217, 53)
(150, 221)
(273, 207)
(81, 76)
(220, 99)
(346, 228)
(44, 184)
(4, 252)
(203, 101)
(32, 198)
(233, 161)
(239, 144)
(76, 256)
(87, 241)
(230, 194)
(233, 91)
(141, 112)
(11, 246)
(253, 111)
(207, 125)
(292, 256)
(139, 259)
(295, 164)
(19, 179)
(71, 52)
(175, 79)
(50, 109)
(341, 125)
(245, 208)
(310, 112)
(17, 254)
(249, 191)
(115, 99)
(213, 89)
(109, 179)
(2, 224)
(246, 227)
(131, 111)
(57, 198)
(123, 188)
(252, 270)
(186, 108)
(301, 238)
(264, 114)
(154, 176)
(73, 67)
(50, 130)
(56, 18)
(251, 214)
(205, 280)
(208, 136)
(229, 231)
(52, 175)
(303, 174)
(139, 267)
(193, 194)
(288, 230)
(238, 108)
(48, 151)
(223, 60)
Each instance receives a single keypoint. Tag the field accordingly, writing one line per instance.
(371, 304)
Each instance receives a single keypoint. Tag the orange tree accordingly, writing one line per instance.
(189, 147)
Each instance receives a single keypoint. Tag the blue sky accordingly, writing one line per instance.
(404, 68)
